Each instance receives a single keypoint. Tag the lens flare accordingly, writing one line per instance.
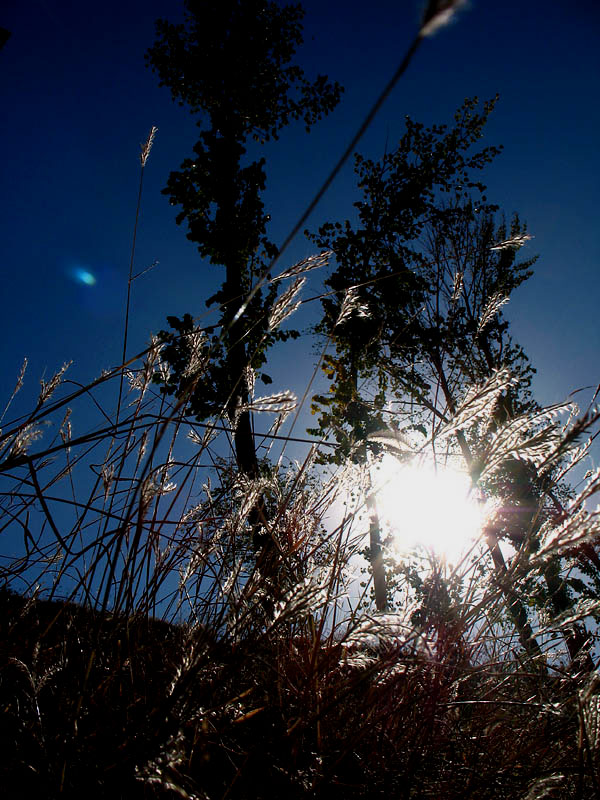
(84, 276)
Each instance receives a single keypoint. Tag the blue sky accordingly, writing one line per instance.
(78, 100)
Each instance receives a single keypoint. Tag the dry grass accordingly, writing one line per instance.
(146, 652)
(148, 649)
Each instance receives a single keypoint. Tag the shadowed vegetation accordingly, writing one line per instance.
(181, 605)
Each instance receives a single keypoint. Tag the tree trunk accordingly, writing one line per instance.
(515, 607)
(375, 550)
(376, 553)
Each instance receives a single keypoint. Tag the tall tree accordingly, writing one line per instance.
(232, 63)
(428, 259)
(471, 265)
(379, 266)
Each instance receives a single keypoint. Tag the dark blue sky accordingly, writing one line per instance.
(77, 100)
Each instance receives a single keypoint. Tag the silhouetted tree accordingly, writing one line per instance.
(232, 63)
(428, 268)
(380, 265)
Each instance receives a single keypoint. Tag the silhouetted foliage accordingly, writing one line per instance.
(232, 64)
(430, 268)
(382, 255)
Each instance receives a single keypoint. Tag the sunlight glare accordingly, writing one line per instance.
(422, 505)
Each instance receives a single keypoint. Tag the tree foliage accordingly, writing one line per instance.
(421, 346)
(232, 64)
(382, 256)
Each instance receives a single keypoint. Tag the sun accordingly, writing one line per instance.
(429, 505)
